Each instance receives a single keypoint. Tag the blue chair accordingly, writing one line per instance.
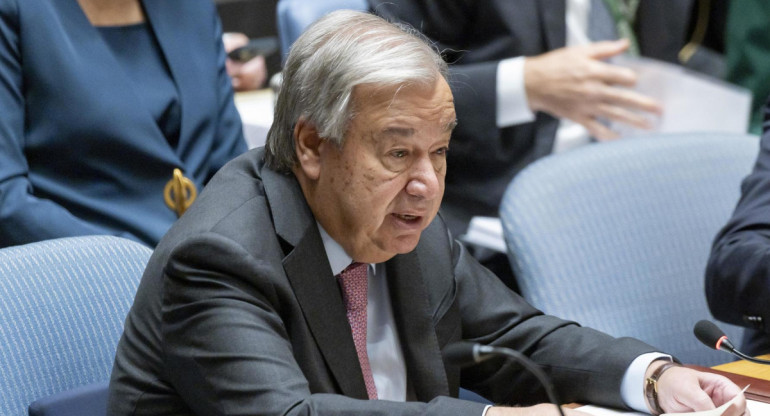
(294, 16)
(88, 400)
(616, 235)
(62, 307)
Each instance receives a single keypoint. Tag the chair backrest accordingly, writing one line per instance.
(88, 400)
(616, 235)
(62, 307)
(294, 16)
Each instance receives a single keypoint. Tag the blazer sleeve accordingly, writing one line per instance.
(229, 141)
(585, 365)
(23, 216)
(227, 348)
(738, 272)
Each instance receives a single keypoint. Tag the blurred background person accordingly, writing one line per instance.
(246, 75)
(115, 114)
(530, 78)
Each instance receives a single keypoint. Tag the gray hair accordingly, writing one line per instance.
(335, 54)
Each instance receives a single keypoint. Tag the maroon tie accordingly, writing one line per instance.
(354, 284)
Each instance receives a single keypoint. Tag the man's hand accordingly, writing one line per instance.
(574, 83)
(539, 410)
(249, 75)
(682, 389)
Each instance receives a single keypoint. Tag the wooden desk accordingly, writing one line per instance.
(744, 373)
(747, 368)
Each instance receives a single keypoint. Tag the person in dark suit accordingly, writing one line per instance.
(239, 310)
(102, 100)
(528, 81)
(738, 272)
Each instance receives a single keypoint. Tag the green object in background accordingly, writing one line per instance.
(747, 49)
(624, 14)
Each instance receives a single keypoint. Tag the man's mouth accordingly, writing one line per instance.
(407, 217)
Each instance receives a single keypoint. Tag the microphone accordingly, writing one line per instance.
(710, 334)
(466, 353)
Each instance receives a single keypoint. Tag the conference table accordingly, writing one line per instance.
(747, 368)
(743, 373)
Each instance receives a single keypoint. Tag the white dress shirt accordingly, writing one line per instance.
(384, 347)
(512, 104)
(382, 343)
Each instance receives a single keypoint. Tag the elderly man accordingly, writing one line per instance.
(314, 276)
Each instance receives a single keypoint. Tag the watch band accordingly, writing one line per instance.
(651, 387)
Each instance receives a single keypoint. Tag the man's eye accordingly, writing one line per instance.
(443, 151)
(398, 154)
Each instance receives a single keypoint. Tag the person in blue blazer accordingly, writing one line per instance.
(101, 102)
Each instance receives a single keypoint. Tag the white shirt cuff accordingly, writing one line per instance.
(484, 413)
(512, 104)
(632, 386)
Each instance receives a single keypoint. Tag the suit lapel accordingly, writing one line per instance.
(317, 292)
(535, 26)
(413, 316)
(310, 276)
(552, 17)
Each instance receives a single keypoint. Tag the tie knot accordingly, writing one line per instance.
(354, 269)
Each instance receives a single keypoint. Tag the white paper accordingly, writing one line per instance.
(485, 232)
(692, 102)
(758, 408)
(603, 411)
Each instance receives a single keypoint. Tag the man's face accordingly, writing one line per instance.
(378, 192)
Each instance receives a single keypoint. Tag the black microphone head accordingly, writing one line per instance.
(708, 333)
(460, 353)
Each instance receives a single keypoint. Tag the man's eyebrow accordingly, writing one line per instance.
(398, 131)
(408, 131)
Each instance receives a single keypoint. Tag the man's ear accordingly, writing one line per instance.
(307, 144)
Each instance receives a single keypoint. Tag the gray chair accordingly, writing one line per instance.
(62, 307)
(616, 235)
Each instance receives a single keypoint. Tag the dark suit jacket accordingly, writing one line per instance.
(238, 313)
(738, 272)
(475, 35)
(79, 152)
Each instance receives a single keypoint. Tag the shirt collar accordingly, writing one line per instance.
(338, 258)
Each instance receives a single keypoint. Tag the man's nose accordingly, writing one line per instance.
(424, 181)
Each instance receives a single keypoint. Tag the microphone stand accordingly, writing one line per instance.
(747, 357)
(709, 334)
(481, 352)
(534, 369)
